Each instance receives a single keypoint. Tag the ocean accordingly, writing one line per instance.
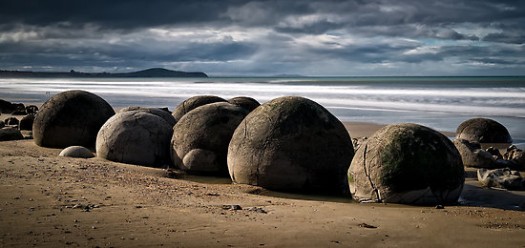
(441, 103)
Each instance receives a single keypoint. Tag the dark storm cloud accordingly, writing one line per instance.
(260, 36)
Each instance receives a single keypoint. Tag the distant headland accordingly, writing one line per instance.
(149, 73)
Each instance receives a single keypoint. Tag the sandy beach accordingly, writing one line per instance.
(50, 201)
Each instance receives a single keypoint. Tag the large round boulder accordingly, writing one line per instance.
(483, 130)
(409, 164)
(291, 144)
(192, 103)
(156, 111)
(201, 137)
(247, 103)
(70, 118)
(135, 137)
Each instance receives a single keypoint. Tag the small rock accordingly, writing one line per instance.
(364, 225)
(500, 178)
(233, 207)
(439, 207)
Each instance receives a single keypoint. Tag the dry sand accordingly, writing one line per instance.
(52, 201)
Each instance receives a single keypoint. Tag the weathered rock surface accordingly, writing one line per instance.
(472, 155)
(10, 134)
(192, 103)
(31, 109)
(483, 130)
(245, 102)
(516, 156)
(76, 152)
(135, 137)
(408, 164)
(500, 178)
(201, 137)
(291, 144)
(162, 113)
(26, 123)
(70, 118)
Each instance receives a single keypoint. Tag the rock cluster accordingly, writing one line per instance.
(409, 164)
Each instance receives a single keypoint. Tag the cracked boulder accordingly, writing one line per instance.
(408, 164)
(135, 137)
(515, 156)
(201, 137)
(70, 118)
(164, 114)
(76, 152)
(245, 102)
(291, 144)
(500, 178)
(483, 130)
(192, 103)
(473, 156)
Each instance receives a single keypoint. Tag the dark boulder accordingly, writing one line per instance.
(70, 118)
(192, 103)
(31, 109)
(483, 130)
(201, 137)
(26, 123)
(162, 113)
(12, 121)
(409, 164)
(135, 137)
(473, 156)
(7, 134)
(245, 102)
(291, 144)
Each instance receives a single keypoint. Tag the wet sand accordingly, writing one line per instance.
(50, 201)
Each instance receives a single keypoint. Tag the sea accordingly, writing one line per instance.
(441, 103)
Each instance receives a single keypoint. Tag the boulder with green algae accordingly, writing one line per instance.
(70, 118)
(291, 144)
(483, 130)
(201, 137)
(408, 164)
(192, 103)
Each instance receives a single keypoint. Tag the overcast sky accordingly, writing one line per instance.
(234, 37)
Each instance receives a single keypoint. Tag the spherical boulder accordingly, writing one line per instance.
(156, 111)
(26, 123)
(291, 144)
(483, 130)
(408, 164)
(245, 102)
(201, 137)
(76, 152)
(70, 118)
(135, 137)
(192, 103)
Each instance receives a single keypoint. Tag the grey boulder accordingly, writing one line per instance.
(483, 130)
(135, 137)
(192, 103)
(201, 137)
(291, 144)
(245, 102)
(76, 152)
(156, 111)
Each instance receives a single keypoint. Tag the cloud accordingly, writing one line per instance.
(265, 36)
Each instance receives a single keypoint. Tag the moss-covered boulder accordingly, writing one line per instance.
(135, 137)
(192, 103)
(200, 138)
(70, 118)
(408, 164)
(291, 144)
(483, 130)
